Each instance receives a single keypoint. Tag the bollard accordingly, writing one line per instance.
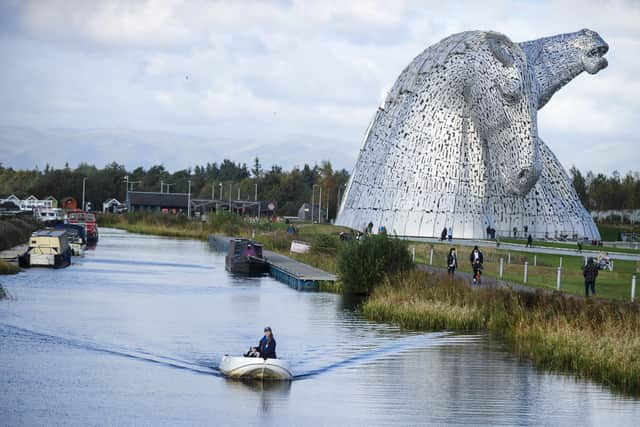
(526, 271)
(585, 260)
(558, 277)
(431, 256)
(611, 268)
(509, 258)
(535, 260)
(501, 267)
(413, 253)
(633, 288)
(560, 262)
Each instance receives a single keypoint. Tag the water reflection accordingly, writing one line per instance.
(269, 391)
(133, 333)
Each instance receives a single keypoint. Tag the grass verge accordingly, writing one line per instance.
(594, 339)
(273, 236)
(8, 268)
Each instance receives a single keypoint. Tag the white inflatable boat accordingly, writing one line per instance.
(255, 368)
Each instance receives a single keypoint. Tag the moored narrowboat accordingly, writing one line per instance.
(88, 220)
(245, 257)
(47, 248)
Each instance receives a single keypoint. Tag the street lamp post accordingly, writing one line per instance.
(84, 180)
(126, 193)
(313, 199)
(189, 201)
(320, 205)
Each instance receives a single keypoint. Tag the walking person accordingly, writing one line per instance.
(477, 260)
(443, 235)
(450, 233)
(590, 272)
(452, 262)
(530, 241)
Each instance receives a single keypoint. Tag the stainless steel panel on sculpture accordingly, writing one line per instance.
(456, 144)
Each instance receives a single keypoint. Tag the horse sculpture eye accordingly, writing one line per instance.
(510, 97)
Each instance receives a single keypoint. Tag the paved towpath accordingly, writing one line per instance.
(522, 248)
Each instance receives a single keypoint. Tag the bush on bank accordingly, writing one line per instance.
(362, 264)
(15, 231)
(594, 339)
(8, 268)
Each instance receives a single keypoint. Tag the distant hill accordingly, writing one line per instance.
(24, 148)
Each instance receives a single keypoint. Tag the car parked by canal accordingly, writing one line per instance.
(47, 248)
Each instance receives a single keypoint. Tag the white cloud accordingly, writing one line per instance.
(246, 68)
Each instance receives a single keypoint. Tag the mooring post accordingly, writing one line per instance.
(633, 288)
(535, 260)
(526, 271)
(501, 267)
(560, 262)
(431, 256)
(558, 277)
(413, 253)
(509, 258)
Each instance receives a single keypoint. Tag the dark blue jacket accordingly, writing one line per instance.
(267, 350)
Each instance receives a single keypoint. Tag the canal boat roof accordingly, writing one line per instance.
(48, 233)
(49, 239)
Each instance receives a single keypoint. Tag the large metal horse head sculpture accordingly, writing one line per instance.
(456, 141)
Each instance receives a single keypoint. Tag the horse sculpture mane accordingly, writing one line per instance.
(455, 143)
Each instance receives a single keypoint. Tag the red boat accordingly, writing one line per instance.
(86, 219)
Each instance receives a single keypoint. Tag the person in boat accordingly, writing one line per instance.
(266, 347)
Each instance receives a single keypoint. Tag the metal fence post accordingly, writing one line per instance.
(560, 262)
(633, 288)
(526, 271)
(413, 253)
(431, 256)
(535, 260)
(509, 258)
(558, 277)
(501, 267)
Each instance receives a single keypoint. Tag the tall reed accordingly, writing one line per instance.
(595, 339)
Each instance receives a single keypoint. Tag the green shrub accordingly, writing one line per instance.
(363, 263)
(325, 243)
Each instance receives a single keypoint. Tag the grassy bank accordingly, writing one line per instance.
(8, 268)
(273, 236)
(598, 340)
(610, 284)
(15, 231)
(324, 238)
(573, 246)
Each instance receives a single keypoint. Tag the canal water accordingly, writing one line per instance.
(132, 334)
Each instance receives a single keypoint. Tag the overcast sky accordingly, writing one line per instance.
(230, 79)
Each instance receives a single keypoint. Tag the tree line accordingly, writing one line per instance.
(288, 189)
(600, 192)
